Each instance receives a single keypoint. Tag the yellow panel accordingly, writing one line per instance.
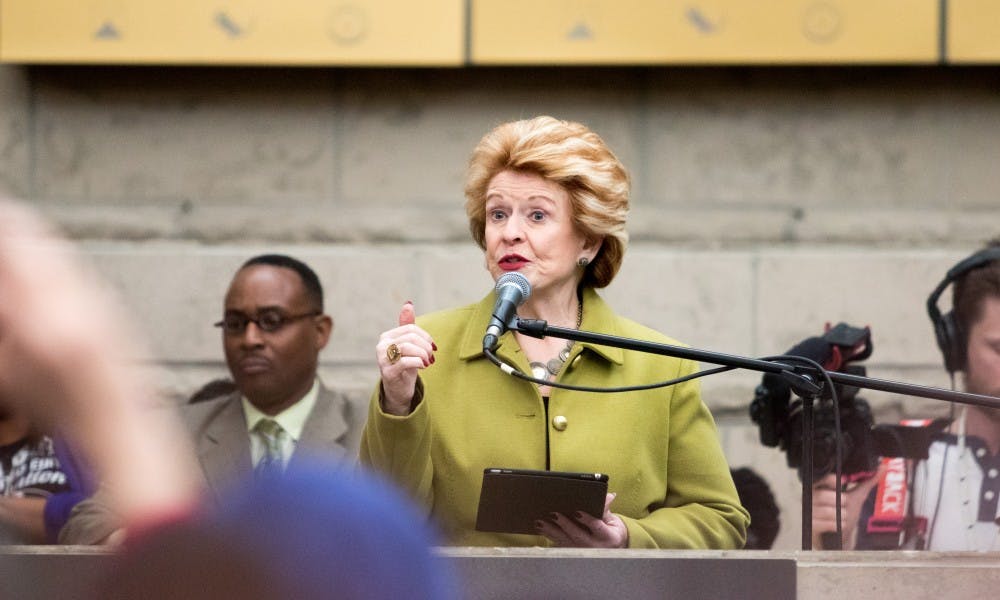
(295, 32)
(703, 31)
(973, 31)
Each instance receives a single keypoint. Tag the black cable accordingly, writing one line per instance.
(584, 388)
(837, 432)
(944, 462)
(839, 437)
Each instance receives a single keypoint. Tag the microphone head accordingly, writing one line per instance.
(514, 280)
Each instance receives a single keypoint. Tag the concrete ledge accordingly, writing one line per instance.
(28, 572)
(903, 574)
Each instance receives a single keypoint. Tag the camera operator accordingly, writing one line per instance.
(952, 496)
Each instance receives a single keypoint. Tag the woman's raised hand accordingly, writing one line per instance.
(401, 353)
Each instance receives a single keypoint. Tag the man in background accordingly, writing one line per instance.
(273, 329)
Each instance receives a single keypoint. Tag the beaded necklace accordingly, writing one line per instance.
(550, 368)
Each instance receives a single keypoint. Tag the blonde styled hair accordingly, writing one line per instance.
(571, 155)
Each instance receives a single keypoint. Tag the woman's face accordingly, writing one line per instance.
(529, 228)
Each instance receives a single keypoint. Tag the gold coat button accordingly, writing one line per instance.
(559, 422)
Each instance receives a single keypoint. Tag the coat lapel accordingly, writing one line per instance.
(224, 445)
(325, 430)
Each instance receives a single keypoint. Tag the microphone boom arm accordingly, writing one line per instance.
(540, 329)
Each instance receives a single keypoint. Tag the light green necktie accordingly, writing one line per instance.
(270, 432)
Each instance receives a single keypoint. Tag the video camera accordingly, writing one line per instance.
(779, 417)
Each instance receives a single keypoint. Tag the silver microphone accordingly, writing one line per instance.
(512, 290)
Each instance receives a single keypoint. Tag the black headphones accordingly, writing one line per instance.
(950, 338)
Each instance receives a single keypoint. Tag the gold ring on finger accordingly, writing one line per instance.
(393, 354)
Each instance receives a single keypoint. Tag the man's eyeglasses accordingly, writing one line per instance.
(269, 321)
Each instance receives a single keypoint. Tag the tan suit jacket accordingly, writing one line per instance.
(219, 432)
(332, 431)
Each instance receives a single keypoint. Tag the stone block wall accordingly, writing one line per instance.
(766, 201)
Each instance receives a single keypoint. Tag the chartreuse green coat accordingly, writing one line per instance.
(659, 447)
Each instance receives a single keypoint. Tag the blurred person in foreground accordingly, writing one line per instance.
(548, 199)
(950, 500)
(65, 347)
(318, 532)
(273, 330)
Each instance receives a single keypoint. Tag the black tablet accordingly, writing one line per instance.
(512, 500)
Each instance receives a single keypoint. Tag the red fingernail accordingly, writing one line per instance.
(432, 359)
(426, 364)
(434, 346)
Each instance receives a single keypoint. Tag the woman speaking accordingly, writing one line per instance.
(547, 199)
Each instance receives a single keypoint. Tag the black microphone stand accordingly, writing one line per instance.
(802, 379)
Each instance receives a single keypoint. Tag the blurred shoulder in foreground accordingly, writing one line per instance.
(320, 531)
